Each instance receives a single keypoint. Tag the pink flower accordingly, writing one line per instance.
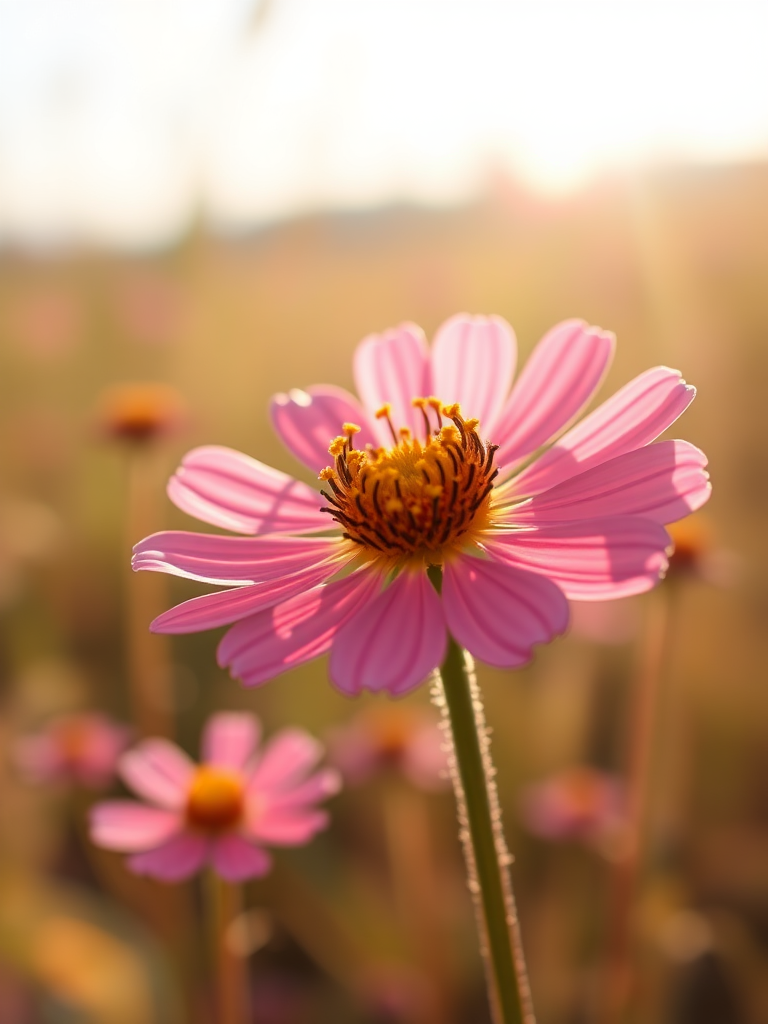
(577, 803)
(82, 748)
(470, 481)
(221, 812)
(391, 737)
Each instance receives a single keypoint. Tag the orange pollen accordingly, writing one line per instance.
(418, 498)
(215, 799)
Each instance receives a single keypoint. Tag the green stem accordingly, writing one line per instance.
(483, 839)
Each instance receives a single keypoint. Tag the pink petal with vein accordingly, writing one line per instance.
(636, 415)
(159, 771)
(285, 762)
(663, 481)
(562, 374)
(235, 492)
(175, 860)
(127, 826)
(287, 827)
(228, 561)
(307, 422)
(394, 642)
(393, 367)
(593, 560)
(473, 363)
(499, 612)
(230, 739)
(268, 643)
(228, 606)
(236, 860)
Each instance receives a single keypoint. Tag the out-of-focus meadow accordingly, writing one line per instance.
(372, 921)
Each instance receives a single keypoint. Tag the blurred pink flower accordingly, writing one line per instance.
(220, 812)
(412, 485)
(578, 803)
(391, 737)
(82, 748)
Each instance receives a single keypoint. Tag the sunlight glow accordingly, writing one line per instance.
(120, 119)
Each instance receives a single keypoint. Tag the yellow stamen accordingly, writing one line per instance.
(215, 798)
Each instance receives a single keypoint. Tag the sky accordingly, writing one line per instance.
(121, 120)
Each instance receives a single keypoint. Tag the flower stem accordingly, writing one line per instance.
(224, 904)
(485, 851)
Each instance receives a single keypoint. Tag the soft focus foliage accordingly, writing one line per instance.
(371, 922)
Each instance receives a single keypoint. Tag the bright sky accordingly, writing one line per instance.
(121, 119)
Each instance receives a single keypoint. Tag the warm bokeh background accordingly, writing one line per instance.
(674, 259)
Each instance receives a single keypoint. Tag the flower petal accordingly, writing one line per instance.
(317, 787)
(235, 492)
(498, 612)
(307, 422)
(473, 363)
(636, 415)
(562, 374)
(179, 858)
(126, 825)
(159, 771)
(593, 560)
(287, 758)
(393, 368)
(229, 561)
(230, 739)
(271, 642)
(394, 642)
(236, 860)
(662, 481)
(228, 606)
(292, 827)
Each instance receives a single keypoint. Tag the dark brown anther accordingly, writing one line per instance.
(329, 497)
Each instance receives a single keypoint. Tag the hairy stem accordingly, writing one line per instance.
(485, 851)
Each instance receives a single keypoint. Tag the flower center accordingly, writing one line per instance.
(215, 799)
(417, 498)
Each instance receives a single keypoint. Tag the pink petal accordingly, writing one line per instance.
(228, 606)
(318, 787)
(268, 643)
(230, 739)
(393, 642)
(287, 827)
(636, 415)
(589, 560)
(159, 771)
(663, 481)
(473, 363)
(235, 492)
(285, 762)
(126, 825)
(498, 612)
(179, 858)
(229, 561)
(236, 860)
(307, 422)
(393, 367)
(558, 380)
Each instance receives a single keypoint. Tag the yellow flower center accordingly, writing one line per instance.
(215, 799)
(417, 499)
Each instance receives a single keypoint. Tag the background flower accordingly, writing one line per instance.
(222, 812)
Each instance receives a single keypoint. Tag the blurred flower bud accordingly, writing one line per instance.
(140, 412)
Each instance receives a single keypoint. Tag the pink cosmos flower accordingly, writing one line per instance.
(520, 512)
(578, 803)
(222, 811)
(391, 737)
(82, 748)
